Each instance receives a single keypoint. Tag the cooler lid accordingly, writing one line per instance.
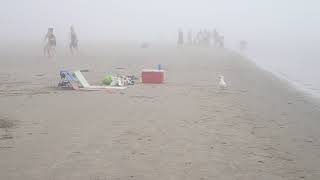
(152, 70)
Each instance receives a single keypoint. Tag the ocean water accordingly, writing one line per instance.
(299, 65)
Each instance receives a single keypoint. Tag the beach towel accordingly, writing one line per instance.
(86, 86)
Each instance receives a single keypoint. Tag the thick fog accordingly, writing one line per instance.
(263, 21)
(274, 28)
(283, 35)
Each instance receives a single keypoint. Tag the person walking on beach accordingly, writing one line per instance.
(73, 40)
(215, 37)
(50, 43)
(180, 38)
(206, 38)
(201, 37)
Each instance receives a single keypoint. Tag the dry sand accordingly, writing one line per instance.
(259, 128)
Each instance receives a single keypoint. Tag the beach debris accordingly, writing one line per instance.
(308, 140)
(84, 70)
(120, 68)
(129, 80)
(40, 75)
(98, 178)
(6, 124)
(222, 83)
(119, 80)
(132, 79)
(6, 147)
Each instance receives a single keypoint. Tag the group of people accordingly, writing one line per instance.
(201, 38)
(51, 42)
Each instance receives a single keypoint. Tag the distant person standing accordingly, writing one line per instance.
(180, 38)
(206, 38)
(221, 41)
(198, 38)
(215, 37)
(243, 45)
(190, 37)
(201, 37)
(73, 40)
(50, 43)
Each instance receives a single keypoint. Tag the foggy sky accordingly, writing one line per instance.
(283, 35)
(258, 20)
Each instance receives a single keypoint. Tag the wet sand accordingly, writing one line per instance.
(187, 128)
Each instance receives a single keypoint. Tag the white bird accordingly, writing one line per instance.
(222, 83)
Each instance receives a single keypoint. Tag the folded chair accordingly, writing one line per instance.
(68, 81)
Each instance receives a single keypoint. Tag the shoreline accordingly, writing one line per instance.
(309, 93)
(311, 88)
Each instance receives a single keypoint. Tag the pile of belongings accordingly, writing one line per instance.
(76, 81)
(110, 80)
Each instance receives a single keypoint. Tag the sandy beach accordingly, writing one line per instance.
(259, 128)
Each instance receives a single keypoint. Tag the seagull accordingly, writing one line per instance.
(222, 83)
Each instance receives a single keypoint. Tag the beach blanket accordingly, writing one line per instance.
(86, 86)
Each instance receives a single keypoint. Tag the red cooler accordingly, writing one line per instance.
(152, 76)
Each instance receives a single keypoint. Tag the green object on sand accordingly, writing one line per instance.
(107, 80)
